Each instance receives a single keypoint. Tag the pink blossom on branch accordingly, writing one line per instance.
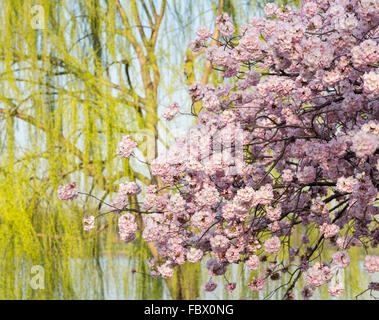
(257, 284)
(341, 259)
(126, 147)
(336, 289)
(318, 275)
(204, 33)
(171, 111)
(129, 188)
(329, 230)
(272, 245)
(68, 191)
(89, 223)
(371, 264)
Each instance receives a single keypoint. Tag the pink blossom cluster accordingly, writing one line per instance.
(318, 275)
(126, 147)
(165, 270)
(194, 255)
(329, 230)
(257, 284)
(336, 289)
(89, 223)
(366, 53)
(371, 83)
(120, 203)
(171, 111)
(341, 259)
(365, 143)
(252, 262)
(372, 264)
(129, 189)
(210, 286)
(272, 245)
(68, 191)
(127, 227)
(345, 184)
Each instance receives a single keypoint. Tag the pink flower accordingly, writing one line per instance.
(317, 54)
(257, 284)
(264, 194)
(245, 195)
(127, 227)
(227, 29)
(366, 53)
(371, 82)
(196, 45)
(329, 230)
(346, 22)
(332, 77)
(345, 184)
(129, 188)
(230, 286)
(253, 77)
(151, 189)
(166, 270)
(341, 259)
(120, 203)
(272, 245)
(233, 254)
(364, 144)
(273, 213)
(252, 44)
(171, 111)
(336, 290)
(271, 9)
(307, 175)
(208, 196)
(223, 18)
(210, 286)
(125, 147)
(160, 167)
(196, 91)
(211, 102)
(204, 33)
(228, 211)
(89, 223)
(202, 219)
(253, 262)
(287, 175)
(371, 264)
(318, 275)
(219, 243)
(68, 191)
(310, 9)
(275, 226)
(194, 255)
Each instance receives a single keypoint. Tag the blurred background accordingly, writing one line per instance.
(74, 77)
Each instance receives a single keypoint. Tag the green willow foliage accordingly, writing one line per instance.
(70, 85)
(63, 109)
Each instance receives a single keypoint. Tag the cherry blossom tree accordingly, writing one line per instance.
(283, 160)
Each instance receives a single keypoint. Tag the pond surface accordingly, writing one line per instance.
(119, 271)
